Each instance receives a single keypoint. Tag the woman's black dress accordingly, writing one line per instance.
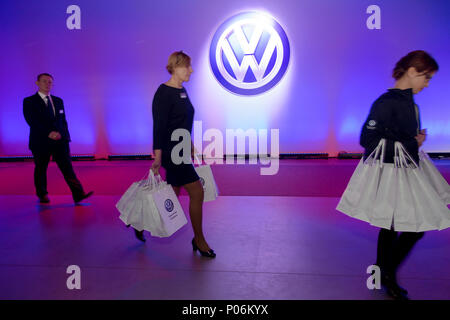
(172, 110)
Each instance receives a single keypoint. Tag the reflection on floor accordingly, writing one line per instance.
(267, 248)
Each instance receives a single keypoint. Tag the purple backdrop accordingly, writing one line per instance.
(108, 71)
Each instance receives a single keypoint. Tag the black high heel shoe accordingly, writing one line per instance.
(391, 280)
(393, 289)
(139, 235)
(209, 254)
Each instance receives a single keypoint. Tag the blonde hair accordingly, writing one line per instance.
(178, 59)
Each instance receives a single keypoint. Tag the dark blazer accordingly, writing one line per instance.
(41, 120)
(393, 117)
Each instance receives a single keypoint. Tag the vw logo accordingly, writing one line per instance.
(169, 205)
(249, 53)
(203, 182)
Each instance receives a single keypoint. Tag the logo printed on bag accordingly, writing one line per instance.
(249, 53)
(203, 182)
(168, 204)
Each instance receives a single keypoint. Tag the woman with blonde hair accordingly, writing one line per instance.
(173, 110)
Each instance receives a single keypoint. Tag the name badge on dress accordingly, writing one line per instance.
(183, 95)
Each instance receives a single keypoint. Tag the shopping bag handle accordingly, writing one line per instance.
(403, 156)
(423, 155)
(399, 155)
(155, 180)
(151, 181)
(376, 152)
(199, 162)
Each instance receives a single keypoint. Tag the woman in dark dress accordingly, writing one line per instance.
(395, 117)
(173, 110)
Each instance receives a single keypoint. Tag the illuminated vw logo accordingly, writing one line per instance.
(249, 53)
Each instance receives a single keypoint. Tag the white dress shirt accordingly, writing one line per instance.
(44, 97)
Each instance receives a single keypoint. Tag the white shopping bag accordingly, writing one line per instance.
(210, 189)
(404, 218)
(398, 196)
(133, 203)
(127, 205)
(383, 206)
(359, 197)
(419, 207)
(169, 209)
(435, 178)
(142, 207)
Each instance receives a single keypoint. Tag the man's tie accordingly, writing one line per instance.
(50, 104)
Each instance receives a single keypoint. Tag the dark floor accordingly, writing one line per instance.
(268, 247)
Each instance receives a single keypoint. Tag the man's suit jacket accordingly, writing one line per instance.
(42, 121)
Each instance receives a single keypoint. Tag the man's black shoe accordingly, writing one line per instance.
(44, 199)
(85, 196)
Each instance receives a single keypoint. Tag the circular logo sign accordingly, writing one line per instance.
(169, 205)
(249, 53)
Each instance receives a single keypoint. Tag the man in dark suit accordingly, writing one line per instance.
(49, 137)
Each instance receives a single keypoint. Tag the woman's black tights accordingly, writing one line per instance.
(393, 249)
